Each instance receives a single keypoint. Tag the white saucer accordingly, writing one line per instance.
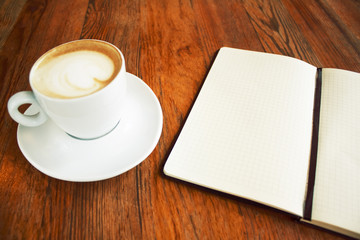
(53, 152)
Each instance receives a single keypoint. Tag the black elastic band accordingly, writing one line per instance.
(314, 147)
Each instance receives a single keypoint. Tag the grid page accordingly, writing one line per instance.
(249, 131)
(337, 181)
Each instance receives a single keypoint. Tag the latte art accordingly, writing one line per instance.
(74, 74)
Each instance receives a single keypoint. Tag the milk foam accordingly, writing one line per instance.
(74, 74)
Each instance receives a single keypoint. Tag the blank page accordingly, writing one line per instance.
(337, 182)
(249, 131)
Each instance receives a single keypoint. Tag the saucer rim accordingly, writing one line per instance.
(155, 140)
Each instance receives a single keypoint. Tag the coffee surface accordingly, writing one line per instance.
(75, 70)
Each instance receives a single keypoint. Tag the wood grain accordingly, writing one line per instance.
(171, 46)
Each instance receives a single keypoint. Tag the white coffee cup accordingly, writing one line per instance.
(86, 112)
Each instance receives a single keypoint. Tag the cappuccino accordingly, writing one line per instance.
(76, 69)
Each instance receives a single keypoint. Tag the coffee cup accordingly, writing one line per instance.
(79, 85)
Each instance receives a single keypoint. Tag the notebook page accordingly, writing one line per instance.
(249, 131)
(337, 182)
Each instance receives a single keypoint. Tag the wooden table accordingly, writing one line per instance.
(171, 46)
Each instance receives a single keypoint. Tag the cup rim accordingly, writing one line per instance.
(122, 68)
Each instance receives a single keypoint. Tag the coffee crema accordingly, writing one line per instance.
(76, 69)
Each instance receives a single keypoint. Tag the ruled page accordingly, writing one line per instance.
(249, 131)
(337, 181)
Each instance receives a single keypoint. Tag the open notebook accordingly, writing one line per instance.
(250, 133)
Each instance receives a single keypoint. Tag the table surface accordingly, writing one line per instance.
(171, 46)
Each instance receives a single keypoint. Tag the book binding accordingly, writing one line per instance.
(314, 147)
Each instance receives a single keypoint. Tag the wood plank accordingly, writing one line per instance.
(9, 12)
(332, 42)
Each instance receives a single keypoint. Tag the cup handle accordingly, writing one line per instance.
(21, 98)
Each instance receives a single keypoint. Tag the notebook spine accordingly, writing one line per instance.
(314, 147)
